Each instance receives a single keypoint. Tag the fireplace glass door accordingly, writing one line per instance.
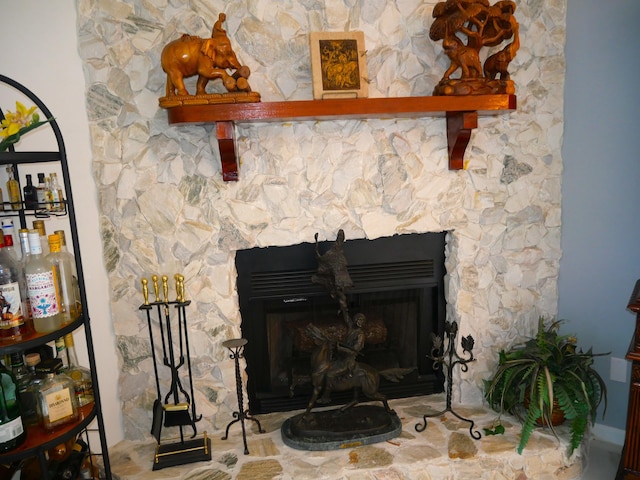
(398, 287)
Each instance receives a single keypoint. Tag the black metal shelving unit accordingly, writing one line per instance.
(39, 443)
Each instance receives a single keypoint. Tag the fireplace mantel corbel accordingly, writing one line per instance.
(461, 113)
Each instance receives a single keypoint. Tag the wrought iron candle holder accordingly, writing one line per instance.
(449, 357)
(236, 347)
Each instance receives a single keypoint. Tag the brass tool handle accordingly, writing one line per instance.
(154, 279)
(179, 287)
(165, 288)
(145, 290)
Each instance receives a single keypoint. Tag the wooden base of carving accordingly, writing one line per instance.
(209, 99)
(474, 86)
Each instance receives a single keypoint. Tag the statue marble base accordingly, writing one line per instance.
(336, 429)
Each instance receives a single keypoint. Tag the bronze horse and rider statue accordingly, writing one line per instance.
(335, 365)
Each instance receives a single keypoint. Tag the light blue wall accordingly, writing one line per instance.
(601, 183)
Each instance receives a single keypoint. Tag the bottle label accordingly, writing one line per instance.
(42, 294)
(11, 430)
(59, 405)
(11, 314)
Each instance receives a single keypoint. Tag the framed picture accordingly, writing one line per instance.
(338, 65)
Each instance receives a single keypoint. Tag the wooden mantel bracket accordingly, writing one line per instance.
(461, 115)
(227, 147)
(459, 126)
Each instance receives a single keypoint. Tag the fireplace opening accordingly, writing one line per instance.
(398, 286)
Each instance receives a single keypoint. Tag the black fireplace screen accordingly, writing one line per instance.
(398, 286)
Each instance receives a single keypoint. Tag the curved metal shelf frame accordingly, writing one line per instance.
(56, 437)
(16, 159)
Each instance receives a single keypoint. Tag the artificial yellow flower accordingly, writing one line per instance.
(17, 123)
(22, 117)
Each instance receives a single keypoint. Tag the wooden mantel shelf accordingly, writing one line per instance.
(461, 113)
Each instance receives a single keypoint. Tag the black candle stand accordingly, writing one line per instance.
(236, 346)
(450, 358)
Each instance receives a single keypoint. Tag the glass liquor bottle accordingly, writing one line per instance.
(80, 375)
(23, 235)
(13, 190)
(56, 193)
(30, 410)
(24, 377)
(64, 251)
(30, 194)
(61, 353)
(10, 240)
(12, 430)
(56, 401)
(41, 288)
(48, 193)
(70, 467)
(13, 315)
(64, 280)
(41, 192)
(44, 241)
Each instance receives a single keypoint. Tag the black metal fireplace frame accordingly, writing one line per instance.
(283, 274)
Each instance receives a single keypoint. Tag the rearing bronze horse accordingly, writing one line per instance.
(362, 376)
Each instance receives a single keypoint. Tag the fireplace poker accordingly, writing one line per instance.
(158, 303)
(182, 317)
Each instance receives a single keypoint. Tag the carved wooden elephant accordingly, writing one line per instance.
(206, 57)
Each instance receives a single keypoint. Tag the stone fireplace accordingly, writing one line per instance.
(398, 286)
(165, 209)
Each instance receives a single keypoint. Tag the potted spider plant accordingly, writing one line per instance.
(547, 380)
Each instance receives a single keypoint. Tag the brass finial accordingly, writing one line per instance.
(165, 288)
(179, 287)
(154, 279)
(145, 290)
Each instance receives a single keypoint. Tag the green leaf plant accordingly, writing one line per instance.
(542, 375)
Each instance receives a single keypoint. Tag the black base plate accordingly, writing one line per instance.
(181, 453)
(336, 429)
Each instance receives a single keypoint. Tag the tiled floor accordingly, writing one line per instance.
(603, 461)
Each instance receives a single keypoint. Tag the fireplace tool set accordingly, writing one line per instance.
(177, 407)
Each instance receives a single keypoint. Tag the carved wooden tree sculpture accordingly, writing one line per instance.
(480, 25)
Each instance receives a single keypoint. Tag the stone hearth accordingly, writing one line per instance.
(445, 450)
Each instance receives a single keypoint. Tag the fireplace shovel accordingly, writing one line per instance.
(156, 423)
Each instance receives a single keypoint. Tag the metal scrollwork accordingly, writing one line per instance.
(448, 357)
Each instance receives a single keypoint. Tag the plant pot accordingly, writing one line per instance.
(557, 416)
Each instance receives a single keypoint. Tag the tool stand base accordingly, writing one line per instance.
(181, 453)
